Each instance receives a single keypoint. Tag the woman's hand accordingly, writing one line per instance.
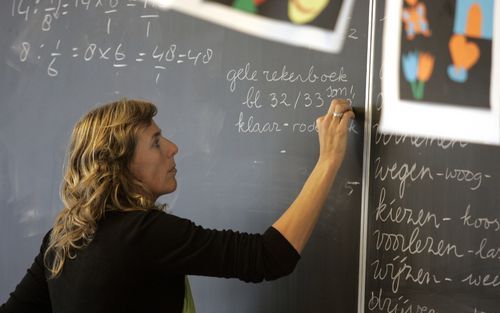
(332, 132)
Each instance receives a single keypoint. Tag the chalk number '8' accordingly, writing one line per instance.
(25, 50)
(46, 23)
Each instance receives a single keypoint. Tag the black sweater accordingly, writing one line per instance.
(137, 262)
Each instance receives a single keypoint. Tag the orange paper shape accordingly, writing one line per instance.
(464, 54)
(425, 66)
(473, 28)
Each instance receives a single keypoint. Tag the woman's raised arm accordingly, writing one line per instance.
(298, 221)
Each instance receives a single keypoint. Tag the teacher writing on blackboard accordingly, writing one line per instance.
(112, 248)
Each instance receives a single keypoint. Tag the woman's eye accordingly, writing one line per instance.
(157, 144)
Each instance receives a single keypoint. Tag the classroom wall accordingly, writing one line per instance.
(236, 168)
(410, 225)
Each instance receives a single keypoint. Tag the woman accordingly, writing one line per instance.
(113, 249)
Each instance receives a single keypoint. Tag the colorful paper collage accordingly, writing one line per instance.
(316, 24)
(440, 68)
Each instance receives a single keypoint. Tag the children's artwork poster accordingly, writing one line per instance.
(441, 69)
(315, 24)
(319, 13)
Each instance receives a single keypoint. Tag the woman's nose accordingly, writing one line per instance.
(175, 148)
(172, 148)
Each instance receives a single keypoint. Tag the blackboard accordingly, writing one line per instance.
(433, 219)
(236, 170)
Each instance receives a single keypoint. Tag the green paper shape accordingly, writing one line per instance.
(245, 5)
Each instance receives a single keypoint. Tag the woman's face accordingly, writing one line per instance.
(153, 161)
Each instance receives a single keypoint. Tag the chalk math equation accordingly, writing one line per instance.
(48, 15)
(116, 56)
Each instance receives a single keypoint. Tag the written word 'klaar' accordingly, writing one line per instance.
(415, 244)
(386, 212)
(250, 126)
(402, 173)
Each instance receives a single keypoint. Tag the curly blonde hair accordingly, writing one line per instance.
(97, 177)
